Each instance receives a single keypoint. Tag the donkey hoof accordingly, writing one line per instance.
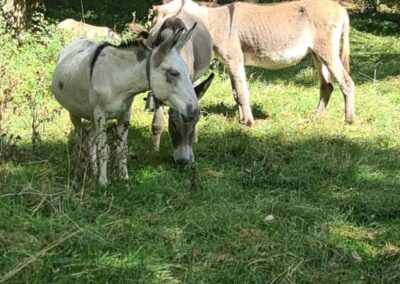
(247, 122)
(103, 181)
(124, 175)
(350, 120)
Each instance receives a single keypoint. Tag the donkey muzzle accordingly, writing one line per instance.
(192, 114)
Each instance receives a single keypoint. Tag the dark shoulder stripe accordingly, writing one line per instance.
(96, 56)
(125, 44)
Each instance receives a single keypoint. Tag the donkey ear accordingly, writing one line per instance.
(201, 88)
(185, 37)
(166, 46)
(144, 34)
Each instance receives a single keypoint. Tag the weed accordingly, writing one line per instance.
(8, 142)
(39, 112)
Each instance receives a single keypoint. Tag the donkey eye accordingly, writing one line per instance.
(173, 73)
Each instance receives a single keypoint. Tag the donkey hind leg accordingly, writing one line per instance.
(92, 146)
(326, 86)
(101, 143)
(122, 144)
(240, 90)
(157, 127)
(346, 85)
(81, 137)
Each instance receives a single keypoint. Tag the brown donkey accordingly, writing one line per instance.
(197, 54)
(275, 36)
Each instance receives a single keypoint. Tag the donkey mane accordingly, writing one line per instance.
(137, 44)
(131, 42)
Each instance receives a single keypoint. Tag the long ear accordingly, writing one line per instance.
(185, 37)
(166, 46)
(201, 88)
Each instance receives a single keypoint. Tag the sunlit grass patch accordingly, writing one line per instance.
(354, 239)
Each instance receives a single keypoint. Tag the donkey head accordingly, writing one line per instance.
(169, 9)
(183, 134)
(169, 76)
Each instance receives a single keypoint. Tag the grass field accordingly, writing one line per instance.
(292, 200)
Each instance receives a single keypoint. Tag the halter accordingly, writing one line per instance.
(152, 103)
(148, 66)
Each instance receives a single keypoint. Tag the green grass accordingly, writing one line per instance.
(291, 200)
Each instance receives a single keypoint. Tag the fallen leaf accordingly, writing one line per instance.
(356, 256)
(269, 218)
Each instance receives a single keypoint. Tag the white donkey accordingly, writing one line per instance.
(275, 36)
(97, 81)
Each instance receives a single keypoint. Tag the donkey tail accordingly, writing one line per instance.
(345, 56)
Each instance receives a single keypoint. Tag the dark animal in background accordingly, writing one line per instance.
(197, 54)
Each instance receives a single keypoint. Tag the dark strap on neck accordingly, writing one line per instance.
(148, 58)
(152, 102)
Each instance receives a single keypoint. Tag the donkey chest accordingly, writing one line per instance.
(115, 107)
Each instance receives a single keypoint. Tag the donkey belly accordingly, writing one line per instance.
(276, 59)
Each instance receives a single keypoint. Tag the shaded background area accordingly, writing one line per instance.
(111, 13)
(119, 12)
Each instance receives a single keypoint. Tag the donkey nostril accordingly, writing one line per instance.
(190, 110)
(193, 114)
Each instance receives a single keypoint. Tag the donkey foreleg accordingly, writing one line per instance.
(240, 90)
(157, 127)
(102, 147)
(122, 144)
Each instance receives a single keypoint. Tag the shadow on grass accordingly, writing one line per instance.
(343, 162)
(231, 111)
(301, 181)
(59, 160)
(317, 167)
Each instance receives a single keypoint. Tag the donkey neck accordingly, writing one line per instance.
(127, 70)
(211, 17)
